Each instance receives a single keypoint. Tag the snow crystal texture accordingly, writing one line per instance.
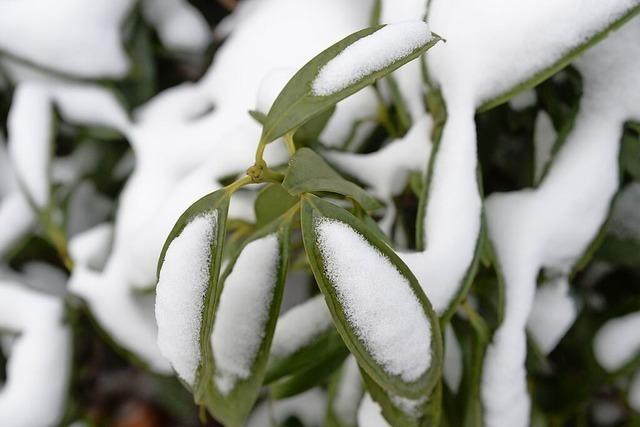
(243, 311)
(370, 54)
(180, 294)
(377, 301)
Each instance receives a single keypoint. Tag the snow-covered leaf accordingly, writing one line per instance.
(240, 321)
(377, 305)
(343, 69)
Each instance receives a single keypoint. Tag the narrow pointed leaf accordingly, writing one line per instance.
(309, 173)
(188, 271)
(376, 303)
(237, 337)
(343, 69)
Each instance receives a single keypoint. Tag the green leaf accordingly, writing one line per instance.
(316, 210)
(216, 201)
(272, 201)
(258, 116)
(307, 378)
(561, 63)
(297, 103)
(309, 173)
(231, 403)
(327, 345)
(402, 412)
(309, 133)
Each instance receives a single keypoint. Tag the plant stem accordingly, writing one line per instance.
(291, 146)
(238, 183)
(58, 239)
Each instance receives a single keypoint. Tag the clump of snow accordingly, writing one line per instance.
(370, 413)
(370, 54)
(271, 86)
(452, 367)
(179, 24)
(386, 171)
(377, 300)
(551, 226)
(29, 125)
(91, 247)
(618, 341)
(67, 34)
(348, 393)
(243, 311)
(182, 285)
(523, 100)
(553, 312)
(38, 368)
(300, 326)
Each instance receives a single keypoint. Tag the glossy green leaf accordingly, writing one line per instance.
(297, 103)
(309, 133)
(310, 173)
(315, 210)
(231, 404)
(272, 201)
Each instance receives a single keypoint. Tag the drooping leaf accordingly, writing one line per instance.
(240, 323)
(350, 263)
(298, 102)
(308, 173)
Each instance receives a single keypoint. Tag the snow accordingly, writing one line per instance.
(385, 172)
(348, 393)
(409, 77)
(243, 311)
(182, 284)
(218, 140)
(29, 126)
(66, 35)
(300, 326)
(544, 137)
(361, 109)
(523, 100)
(484, 60)
(180, 25)
(370, 413)
(378, 302)
(91, 247)
(271, 86)
(309, 407)
(625, 218)
(41, 349)
(634, 392)
(370, 54)
(553, 312)
(452, 219)
(551, 226)
(618, 341)
(16, 211)
(452, 368)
